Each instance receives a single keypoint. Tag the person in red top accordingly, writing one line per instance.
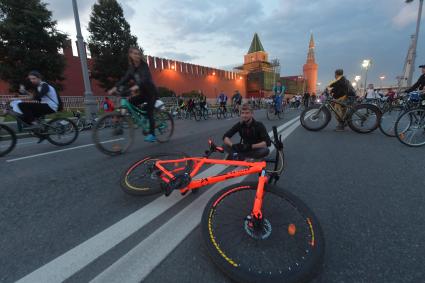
(390, 94)
(108, 105)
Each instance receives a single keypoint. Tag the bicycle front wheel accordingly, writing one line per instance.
(286, 246)
(7, 140)
(388, 120)
(144, 178)
(115, 139)
(410, 128)
(271, 113)
(364, 118)
(164, 126)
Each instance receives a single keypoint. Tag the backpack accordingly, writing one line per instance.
(351, 92)
(105, 106)
(60, 103)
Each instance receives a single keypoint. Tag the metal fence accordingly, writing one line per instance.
(76, 102)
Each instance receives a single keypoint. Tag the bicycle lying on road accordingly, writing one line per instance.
(361, 118)
(119, 135)
(58, 131)
(253, 231)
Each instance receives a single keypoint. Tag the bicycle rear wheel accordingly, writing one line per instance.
(164, 126)
(315, 118)
(288, 245)
(410, 128)
(388, 120)
(143, 178)
(7, 140)
(364, 118)
(61, 131)
(115, 139)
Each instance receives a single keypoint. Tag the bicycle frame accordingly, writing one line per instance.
(328, 104)
(250, 168)
(136, 114)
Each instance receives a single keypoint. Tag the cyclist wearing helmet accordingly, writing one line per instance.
(138, 71)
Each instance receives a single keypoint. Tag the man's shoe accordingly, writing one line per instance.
(150, 138)
(340, 128)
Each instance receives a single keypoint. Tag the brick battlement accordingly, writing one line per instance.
(176, 75)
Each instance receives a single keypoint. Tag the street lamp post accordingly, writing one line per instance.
(382, 78)
(365, 64)
(357, 79)
(89, 101)
(415, 42)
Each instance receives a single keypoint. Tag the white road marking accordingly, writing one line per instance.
(69, 263)
(60, 150)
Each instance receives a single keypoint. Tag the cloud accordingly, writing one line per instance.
(177, 56)
(406, 16)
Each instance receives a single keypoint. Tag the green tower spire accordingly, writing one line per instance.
(256, 45)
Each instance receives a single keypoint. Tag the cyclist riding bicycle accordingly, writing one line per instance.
(278, 96)
(48, 101)
(254, 137)
(339, 90)
(138, 71)
(222, 100)
(420, 84)
(237, 99)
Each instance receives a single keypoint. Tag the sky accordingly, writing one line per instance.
(218, 33)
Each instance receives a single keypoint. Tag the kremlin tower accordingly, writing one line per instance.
(310, 69)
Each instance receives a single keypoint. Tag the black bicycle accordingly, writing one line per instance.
(361, 118)
(57, 131)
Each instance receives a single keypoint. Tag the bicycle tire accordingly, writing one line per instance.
(401, 129)
(116, 148)
(271, 113)
(385, 128)
(304, 116)
(197, 115)
(163, 132)
(219, 113)
(70, 127)
(369, 108)
(270, 250)
(150, 183)
(7, 133)
(80, 125)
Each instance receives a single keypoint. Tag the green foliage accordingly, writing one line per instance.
(109, 41)
(29, 41)
(165, 92)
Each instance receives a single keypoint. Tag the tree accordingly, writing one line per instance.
(29, 41)
(165, 92)
(109, 41)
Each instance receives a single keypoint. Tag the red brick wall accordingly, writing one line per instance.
(177, 76)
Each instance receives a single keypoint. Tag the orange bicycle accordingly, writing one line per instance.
(253, 231)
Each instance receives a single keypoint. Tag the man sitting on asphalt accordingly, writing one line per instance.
(254, 137)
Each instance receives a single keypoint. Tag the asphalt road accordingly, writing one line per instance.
(63, 216)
